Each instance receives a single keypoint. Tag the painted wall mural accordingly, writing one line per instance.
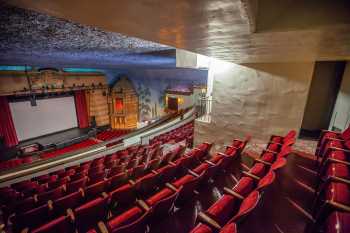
(151, 85)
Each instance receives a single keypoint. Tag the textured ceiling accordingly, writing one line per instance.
(32, 38)
(286, 30)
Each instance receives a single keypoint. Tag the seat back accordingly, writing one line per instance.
(95, 190)
(123, 195)
(69, 201)
(88, 214)
(139, 225)
(60, 224)
(147, 183)
(268, 179)
(75, 185)
(117, 180)
(248, 204)
(188, 188)
(164, 206)
(51, 195)
(168, 173)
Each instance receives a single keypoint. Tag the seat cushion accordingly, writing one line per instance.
(199, 169)
(339, 170)
(268, 157)
(277, 139)
(273, 147)
(338, 222)
(158, 196)
(229, 228)
(185, 179)
(202, 228)
(340, 155)
(224, 209)
(338, 192)
(258, 169)
(125, 218)
(244, 186)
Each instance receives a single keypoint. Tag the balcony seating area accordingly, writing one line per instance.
(239, 201)
(111, 134)
(31, 203)
(184, 132)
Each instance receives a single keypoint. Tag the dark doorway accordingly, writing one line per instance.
(323, 93)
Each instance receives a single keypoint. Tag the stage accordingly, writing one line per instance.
(61, 139)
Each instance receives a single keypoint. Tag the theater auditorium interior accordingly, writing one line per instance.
(175, 116)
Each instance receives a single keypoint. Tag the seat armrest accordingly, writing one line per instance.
(233, 193)
(81, 190)
(70, 214)
(220, 153)
(339, 179)
(192, 173)
(210, 163)
(338, 161)
(104, 194)
(206, 219)
(25, 230)
(49, 204)
(340, 149)
(132, 182)
(172, 163)
(264, 162)
(170, 186)
(102, 227)
(339, 206)
(251, 175)
(154, 172)
(196, 149)
(270, 151)
(143, 205)
(35, 197)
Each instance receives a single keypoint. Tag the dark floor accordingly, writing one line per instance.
(285, 207)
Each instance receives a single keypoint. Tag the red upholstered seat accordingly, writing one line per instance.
(202, 167)
(247, 205)
(266, 180)
(125, 218)
(216, 158)
(123, 195)
(147, 183)
(117, 180)
(159, 196)
(338, 222)
(340, 155)
(274, 147)
(268, 157)
(338, 192)
(231, 150)
(32, 218)
(244, 186)
(162, 202)
(339, 170)
(51, 195)
(60, 224)
(183, 180)
(167, 173)
(70, 201)
(75, 185)
(202, 228)
(229, 228)
(278, 164)
(223, 209)
(88, 214)
(96, 177)
(95, 190)
(259, 169)
(277, 139)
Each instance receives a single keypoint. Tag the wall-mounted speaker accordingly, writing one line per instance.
(33, 101)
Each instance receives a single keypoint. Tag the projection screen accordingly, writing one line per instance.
(49, 116)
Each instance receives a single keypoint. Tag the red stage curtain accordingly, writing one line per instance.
(81, 109)
(7, 128)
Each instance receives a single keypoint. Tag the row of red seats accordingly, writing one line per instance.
(74, 147)
(242, 199)
(15, 162)
(176, 135)
(92, 168)
(86, 215)
(110, 134)
(332, 203)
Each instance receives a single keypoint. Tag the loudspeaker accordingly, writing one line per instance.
(33, 101)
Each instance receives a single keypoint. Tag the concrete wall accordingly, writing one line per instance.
(341, 112)
(258, 99)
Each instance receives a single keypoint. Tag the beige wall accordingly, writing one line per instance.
(258, 99)
(341, 112)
